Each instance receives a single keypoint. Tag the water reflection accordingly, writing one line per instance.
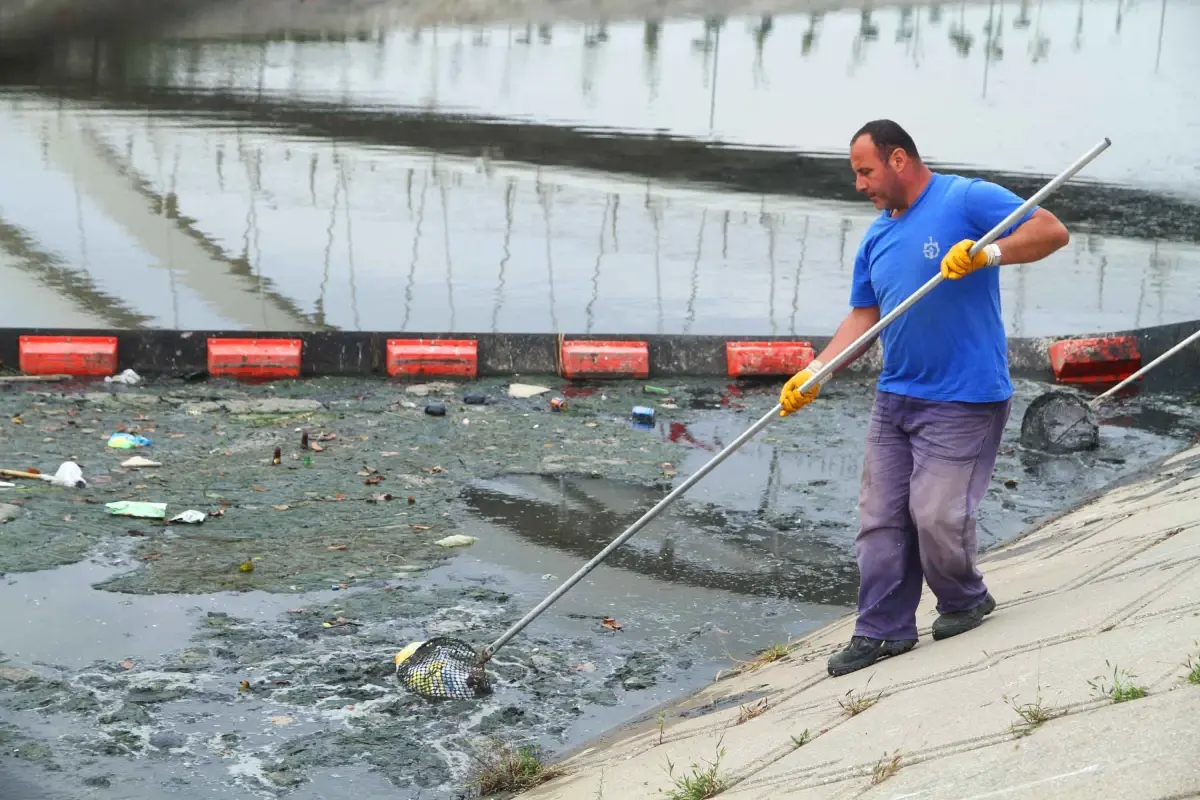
(1020, 75)
(695, 547)
(519, 178)
(225, 225)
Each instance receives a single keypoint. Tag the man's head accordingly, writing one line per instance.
(887, 166)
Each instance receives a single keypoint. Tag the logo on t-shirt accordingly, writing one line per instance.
(932, 249)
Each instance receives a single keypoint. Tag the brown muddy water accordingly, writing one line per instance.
(126, 639)
(675, 175)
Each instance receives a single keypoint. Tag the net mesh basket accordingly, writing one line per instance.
(444, 669)
(1059, 422)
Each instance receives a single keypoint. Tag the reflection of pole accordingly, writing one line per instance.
(1137, 319)
(810, 36)
(987, 47)
(691, 304)
(254, 178)
(431, 100)
(312, 180)
(1079, 28)
(712, 100)
(262, 67)
(171, 210)
(416, 247)
(656, 217)
(1162, 21)
(616, 207)
(446, 244)
(916, 41)
(799, 266)
(596, 269)
(543, 197)
(761, 32)
(506, 77)
(1040, 43)
(1160, 280)
(509, 194)
(769, 222)
(320, 303)
(650, 62)
(350, 244)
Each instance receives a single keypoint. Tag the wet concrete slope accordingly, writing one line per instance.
(1092, 651)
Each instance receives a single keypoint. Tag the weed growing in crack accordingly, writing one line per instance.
(503, 767)
(854, 703)
(885, 769)
(701, 783)
(801, 740)
(1122, 688)
(1032, 714)
(770, 655)
(1192, 665)
(751, 711)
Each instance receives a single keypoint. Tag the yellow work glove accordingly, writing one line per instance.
(791, 398)
(958, 261)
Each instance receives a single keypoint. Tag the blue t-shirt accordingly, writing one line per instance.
(950, 344)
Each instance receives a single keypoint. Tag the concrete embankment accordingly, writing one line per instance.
(1084, 683)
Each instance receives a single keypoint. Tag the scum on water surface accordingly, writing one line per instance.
(342, 576)
(216, 446)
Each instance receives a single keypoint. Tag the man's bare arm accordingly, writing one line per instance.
(856, 323)
(1036, 238)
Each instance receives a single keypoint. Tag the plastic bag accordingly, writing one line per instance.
(127, 440)
(69, 474)
(127, 377)
(134, 508)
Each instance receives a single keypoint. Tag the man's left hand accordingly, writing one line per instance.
(958, 261)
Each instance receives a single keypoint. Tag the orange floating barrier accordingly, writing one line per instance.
(68, 355)
(258, 359)
(775, 358)
(448, 357)
(586, 358)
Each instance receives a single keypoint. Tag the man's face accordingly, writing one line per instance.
(874, 177)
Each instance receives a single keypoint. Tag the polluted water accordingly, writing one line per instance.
(253, 654)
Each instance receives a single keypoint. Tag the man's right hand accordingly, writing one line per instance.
(791, 398)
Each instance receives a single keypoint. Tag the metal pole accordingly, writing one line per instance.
(821, 374)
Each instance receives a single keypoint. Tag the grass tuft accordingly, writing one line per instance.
(699, 784)
(1122, 687)
(503, 767)
(885, 769)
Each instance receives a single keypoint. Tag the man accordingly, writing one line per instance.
(943, 396)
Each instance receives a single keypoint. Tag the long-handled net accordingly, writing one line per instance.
(1061, 422)
(445, 668)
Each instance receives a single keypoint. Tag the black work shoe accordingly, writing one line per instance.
(948, 625)
(863, 651)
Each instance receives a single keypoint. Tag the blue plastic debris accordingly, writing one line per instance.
(643, 415)
(127, 440)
